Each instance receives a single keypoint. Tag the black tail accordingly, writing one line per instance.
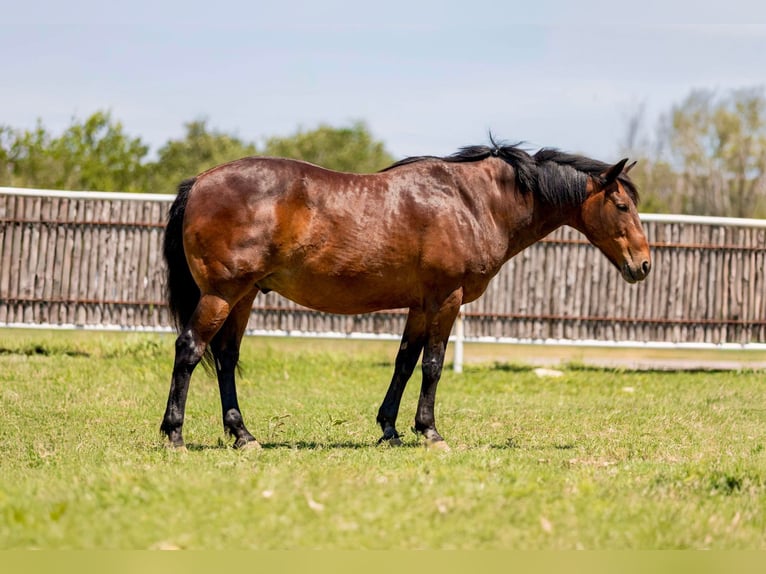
(182, 292)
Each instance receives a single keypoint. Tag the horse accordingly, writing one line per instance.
(426, 234)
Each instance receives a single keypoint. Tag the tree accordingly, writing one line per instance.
(95, 154)
(350, 149)
(721, 145)
(200, 149)
(710, 156)
(7, 136)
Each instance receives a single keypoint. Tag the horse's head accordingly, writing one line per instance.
(609, 219)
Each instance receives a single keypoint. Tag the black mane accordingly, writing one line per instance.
(559, 178)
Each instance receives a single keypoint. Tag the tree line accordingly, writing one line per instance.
(96, 154)
(705, 156)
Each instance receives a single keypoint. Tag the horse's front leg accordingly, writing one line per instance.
(433, 362)
(406, 359)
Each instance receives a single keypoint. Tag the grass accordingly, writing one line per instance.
(595, 459)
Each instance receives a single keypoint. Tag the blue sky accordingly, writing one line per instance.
(427, 77)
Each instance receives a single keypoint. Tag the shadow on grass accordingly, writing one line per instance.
(510, 443)
(303, 445)
(574, 366)
(567, 366)
(502, 367)
(42, 350)
(321, 445)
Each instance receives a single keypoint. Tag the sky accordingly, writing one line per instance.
(427, 77)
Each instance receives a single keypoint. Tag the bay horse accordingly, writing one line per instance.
(426, 234)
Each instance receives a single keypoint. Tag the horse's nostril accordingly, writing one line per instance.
(646, 266)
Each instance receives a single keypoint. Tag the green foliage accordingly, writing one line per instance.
(200, 149)
(711, 157)
(657, 183)
(94, 154)
(7, 136)
(350, 149)
(595, 459)
(722, 145)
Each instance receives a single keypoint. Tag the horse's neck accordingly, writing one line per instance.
(550, 218)
(536, 221)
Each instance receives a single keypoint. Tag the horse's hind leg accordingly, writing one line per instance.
(412, 343)
(225, 346)
(210, 314)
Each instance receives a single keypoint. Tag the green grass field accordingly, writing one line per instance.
(595, 459)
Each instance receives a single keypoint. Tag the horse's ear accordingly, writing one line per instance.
(610, 175)
(629, 167)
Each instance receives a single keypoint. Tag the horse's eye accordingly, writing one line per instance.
(623, 207)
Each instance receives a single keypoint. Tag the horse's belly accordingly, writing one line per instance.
(343, 294)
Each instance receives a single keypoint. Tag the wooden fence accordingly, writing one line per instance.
(94, 260)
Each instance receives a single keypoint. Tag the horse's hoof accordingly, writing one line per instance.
(243, 444)
(438, 445)
(392, 441)
(390, 438)
(173, 447)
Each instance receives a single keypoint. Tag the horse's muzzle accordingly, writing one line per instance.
(636, 273)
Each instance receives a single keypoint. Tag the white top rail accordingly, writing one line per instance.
(168, 197)
(702, 220)
(117, 195)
